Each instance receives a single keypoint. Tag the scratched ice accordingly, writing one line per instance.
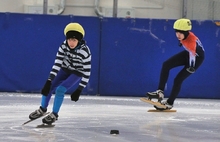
(92, 118)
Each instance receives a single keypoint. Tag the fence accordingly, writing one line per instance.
(127, 54)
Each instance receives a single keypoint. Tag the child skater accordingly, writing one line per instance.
(191, 59)
(72, 65)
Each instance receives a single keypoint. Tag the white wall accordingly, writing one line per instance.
(160, 9)
(142, 8)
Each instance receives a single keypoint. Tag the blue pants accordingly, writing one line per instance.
(62, 82)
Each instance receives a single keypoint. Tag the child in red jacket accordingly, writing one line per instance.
(191, 59)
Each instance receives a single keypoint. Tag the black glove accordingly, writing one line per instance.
(191, 69)
(75, 95)
(46, 89)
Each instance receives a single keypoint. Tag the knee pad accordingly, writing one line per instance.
(60, 90)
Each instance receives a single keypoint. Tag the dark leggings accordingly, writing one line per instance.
(180, 59)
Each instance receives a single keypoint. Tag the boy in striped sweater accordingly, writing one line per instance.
(72, 65)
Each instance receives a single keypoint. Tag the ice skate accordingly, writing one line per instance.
(158, 94)
(168, 106)
(49, 119)
(37, 113)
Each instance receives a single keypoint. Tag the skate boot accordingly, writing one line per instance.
(37, 113)
(158, 94)
(168, 106)
(49, 119)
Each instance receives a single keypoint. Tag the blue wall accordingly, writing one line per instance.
(127, 54)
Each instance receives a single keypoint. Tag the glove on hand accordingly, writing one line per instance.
(46, 89)
(75, 95)
(191, 69)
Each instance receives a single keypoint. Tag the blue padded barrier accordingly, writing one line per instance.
(127, 54)
(28, 47)
(133, 50)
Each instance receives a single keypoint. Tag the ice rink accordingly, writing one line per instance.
(92, 117)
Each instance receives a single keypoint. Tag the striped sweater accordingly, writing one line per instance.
(76, 61)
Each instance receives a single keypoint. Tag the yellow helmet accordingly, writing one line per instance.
(182, 24)
(74, 30)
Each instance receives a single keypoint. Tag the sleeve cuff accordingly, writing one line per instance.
(80, 88)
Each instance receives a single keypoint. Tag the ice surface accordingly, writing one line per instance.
(92, 117)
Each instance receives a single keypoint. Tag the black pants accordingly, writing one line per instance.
(180, 59)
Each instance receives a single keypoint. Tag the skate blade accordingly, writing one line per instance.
(45, 126)
(158, 104)
(35, 119)
(166, 110)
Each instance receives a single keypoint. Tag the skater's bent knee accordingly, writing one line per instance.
(166, 64)
(61, 90)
